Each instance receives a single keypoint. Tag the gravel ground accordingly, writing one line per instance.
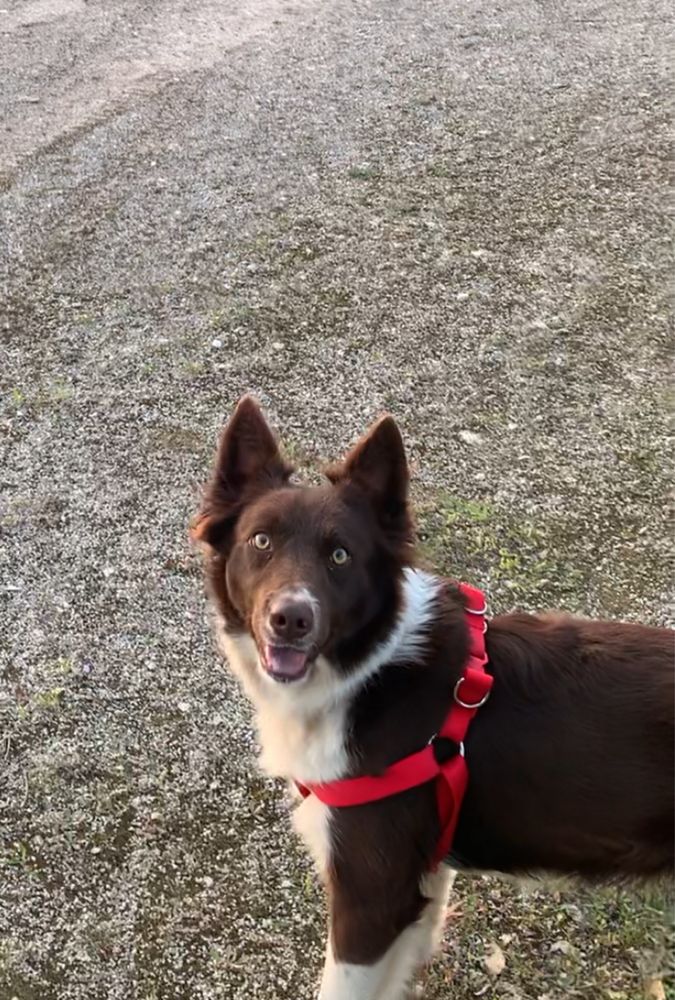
(453, 211)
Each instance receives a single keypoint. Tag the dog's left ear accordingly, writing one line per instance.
(377, 465)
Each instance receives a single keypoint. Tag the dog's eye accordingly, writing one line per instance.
(339, 556)
(261, 541)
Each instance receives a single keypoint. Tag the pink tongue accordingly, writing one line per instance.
(285, 661)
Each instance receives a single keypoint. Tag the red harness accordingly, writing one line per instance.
(451, 776)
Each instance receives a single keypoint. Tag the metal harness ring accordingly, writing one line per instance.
(477, 611)
(465, 704)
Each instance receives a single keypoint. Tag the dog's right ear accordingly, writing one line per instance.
(248, 462)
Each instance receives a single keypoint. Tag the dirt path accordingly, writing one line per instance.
(68, 64)
(450, 210)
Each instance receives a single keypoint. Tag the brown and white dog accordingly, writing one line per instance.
(350, 653)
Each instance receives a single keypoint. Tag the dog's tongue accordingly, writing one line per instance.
(286, 662)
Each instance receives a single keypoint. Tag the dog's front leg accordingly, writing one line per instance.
(388, 978)
(367, 960)
(349, 981)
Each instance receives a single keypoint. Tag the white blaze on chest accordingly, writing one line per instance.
(306, 748)
(302, 728)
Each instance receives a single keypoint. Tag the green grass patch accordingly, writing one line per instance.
(516, 558)
(363, 172)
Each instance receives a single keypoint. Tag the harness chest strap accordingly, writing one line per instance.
(451, 776)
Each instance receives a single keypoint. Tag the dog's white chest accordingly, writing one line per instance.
(311, 750)
(306, 748)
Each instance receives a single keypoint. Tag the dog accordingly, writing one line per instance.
(352, 655)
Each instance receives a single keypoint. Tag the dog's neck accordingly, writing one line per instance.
(302, 730)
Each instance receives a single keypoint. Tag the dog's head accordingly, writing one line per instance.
(307, 577)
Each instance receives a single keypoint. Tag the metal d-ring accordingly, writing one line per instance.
(475, 611)
(466, 704)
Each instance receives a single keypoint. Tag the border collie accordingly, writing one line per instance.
(350, 655)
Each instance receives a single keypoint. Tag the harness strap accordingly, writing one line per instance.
(471, 692)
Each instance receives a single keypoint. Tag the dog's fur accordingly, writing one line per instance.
(570, 761)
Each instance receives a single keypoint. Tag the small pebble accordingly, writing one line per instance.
(470, 437)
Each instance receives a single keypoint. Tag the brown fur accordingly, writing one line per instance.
(571, 759)
(570, 764)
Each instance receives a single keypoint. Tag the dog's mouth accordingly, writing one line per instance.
(286, 664)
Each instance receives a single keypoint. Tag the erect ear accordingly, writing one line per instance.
(248, 462)
(377, 465)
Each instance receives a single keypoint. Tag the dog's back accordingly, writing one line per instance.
(572, 764)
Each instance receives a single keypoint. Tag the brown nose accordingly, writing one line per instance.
(291, 618)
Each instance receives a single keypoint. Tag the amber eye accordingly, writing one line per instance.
(339, 556)
(261, 541)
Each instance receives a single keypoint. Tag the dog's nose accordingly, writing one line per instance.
(291, 618)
